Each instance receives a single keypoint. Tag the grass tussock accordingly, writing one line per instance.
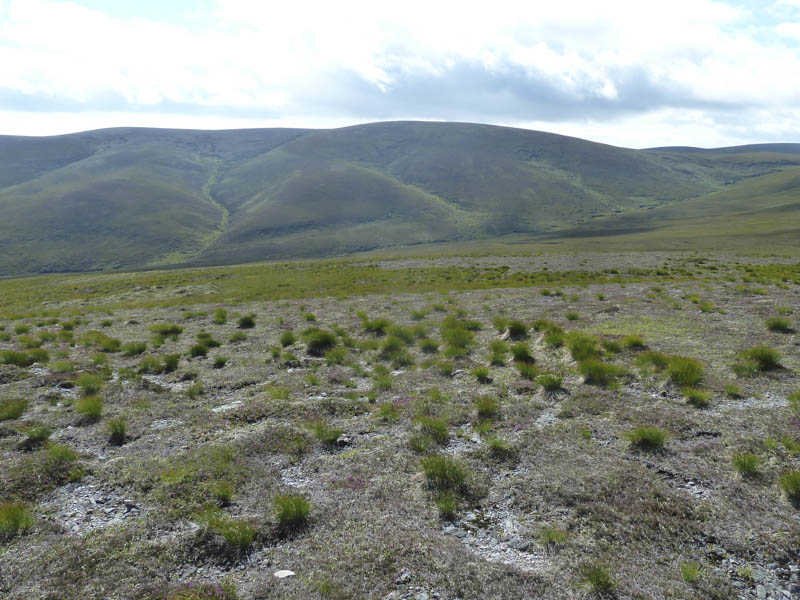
(649, 439)
(291, 510)
(444, 474)
(15, 519)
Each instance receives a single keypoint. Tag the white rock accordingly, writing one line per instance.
(283, 574)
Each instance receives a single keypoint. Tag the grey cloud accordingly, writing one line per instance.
(466, 91)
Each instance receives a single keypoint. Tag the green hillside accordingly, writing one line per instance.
(136, 198)
(756, 213)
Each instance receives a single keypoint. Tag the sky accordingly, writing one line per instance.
(640, 73)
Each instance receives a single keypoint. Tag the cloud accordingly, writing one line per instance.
(565, 64)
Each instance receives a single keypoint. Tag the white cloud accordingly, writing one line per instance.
(617, 68)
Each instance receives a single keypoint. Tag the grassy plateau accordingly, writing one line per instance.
(500, 420)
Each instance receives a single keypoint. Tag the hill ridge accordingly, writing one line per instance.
(133, 197)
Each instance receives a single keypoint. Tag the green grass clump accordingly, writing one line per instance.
(117, 430)
(500, 323)
(764, 357)
(551, 382)
(134, 348)
(596, 372)
(336, 356)
(446, 368)
(237, 533)
(779, 324)
(488, 407)
(224, 590)
(447, 503)
(481, 374)
(318, 341)
(220, 361)
(790, 484)
(582, 346)
(517, 330)
(657, 360)
(291, 510)
(198, 350)
(63, 366)
(89, 407)
(697, 398)
(222, 493)
(394, 350)
(418, 315)
(287, 338)
(35, 436)
(691, 571)
(746, 464)
(650, 439)
(403, 333)
(457, 336)
(12, 408)
(733, 391)
(633, 342)
(521, 353)
(685, 371)
(39, 355)
(376, 326)
(15, 519)
(388, 412)
(428, 346)
(598, 579)
(527, 370)
(498, 350)
(155, 364)
(793, 399)
(554, 339)
(444, 473)
(572, 316)
(167, 330)
(90, 384)
(13, 357)
(324, 433)
(220, 316)
(498, 447)
(207, 340)
(437, 429)
(246, 322)
(100, 340)
(552, 536)
(745, 368)
(27, 342)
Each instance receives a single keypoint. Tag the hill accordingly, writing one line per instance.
(131, 198)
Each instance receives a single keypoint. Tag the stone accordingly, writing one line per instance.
(283, 574)
(761, 592)
(404, 577)
(521, 545)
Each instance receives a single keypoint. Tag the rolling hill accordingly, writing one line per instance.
(131, 198)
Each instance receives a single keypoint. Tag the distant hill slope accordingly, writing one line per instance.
(760, 212)
(135, 198)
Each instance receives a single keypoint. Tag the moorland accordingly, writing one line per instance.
(586, 395)
(533, 424)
